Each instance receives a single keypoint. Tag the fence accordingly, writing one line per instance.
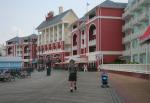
(136, 68)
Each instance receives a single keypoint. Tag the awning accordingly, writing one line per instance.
(146, 35)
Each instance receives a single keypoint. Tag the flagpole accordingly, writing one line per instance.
(87, 4)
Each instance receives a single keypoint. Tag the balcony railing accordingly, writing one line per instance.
(126, 38)
(127, 14)
(135, 21)
(127, 52)
(74, 47)
(135, 6)
(144, 2)
(143, 16)
(92, 42)
(92, 37)
(127, 26)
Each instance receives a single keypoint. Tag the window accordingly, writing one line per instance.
(135, 58)
(143, 58)
(92, 15)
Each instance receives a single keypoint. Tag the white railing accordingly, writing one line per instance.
(143, 16)
(126, 52)
(92, 42)
(74, 47)
(126, 38)
(135, 68)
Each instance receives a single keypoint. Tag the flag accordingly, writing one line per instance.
(87, 4)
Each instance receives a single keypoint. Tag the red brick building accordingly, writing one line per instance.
(98, 33)
(24, 47)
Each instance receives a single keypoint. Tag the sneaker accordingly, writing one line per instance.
(75, 88)
(71, 90)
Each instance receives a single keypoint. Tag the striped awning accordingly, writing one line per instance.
(146, 35)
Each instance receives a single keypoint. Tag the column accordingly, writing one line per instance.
(58, 32)
(45, 36)
(42, 39)
(49, 34)
(53, 34)
(131, 57)
(63, 32)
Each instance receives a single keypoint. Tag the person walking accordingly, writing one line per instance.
(72, 75)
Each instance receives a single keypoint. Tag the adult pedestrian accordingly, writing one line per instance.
(72, 75)
(48, 65)
(40, 64)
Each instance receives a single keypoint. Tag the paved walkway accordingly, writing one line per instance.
(54, 89)
(133, 90)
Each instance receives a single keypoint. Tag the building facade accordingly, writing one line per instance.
(137, 22)
(98, 35)
(54, 35)
(24, 47)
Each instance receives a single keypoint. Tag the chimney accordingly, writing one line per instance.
(50, 15)
(60, 9)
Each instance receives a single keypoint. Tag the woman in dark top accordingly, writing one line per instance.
(72, 75)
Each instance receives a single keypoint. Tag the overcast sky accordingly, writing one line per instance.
(21, 17)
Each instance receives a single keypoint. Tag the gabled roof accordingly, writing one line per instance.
(18, 39)
(111, 4)
(15, 39)
(53, 20)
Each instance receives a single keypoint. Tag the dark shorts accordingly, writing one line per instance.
(73, 77)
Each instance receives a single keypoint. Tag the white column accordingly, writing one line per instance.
(42, 39)
(45, 37)
(58, 32)
(63, 32)
(53, 33)
(147, 53)
(131, 58)
(49, 35)
(38, 40)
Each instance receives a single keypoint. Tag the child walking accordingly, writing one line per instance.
(72, 75)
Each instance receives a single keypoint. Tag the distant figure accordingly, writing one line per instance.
(72, 75)
(40, 64)
(48, 66)
(85, 68)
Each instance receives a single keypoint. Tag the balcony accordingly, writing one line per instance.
(143, 16)
(26, 54)
(146, 2)
(135, 50)
(127, 52)
(127, 26)
(135, 22)
(143, 48)
(92, 42)
(135, 7)
(126, 39)
(127, 14)
(74, 47)
(134, 36)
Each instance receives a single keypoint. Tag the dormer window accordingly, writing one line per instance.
(74, 27)
(92, 15)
